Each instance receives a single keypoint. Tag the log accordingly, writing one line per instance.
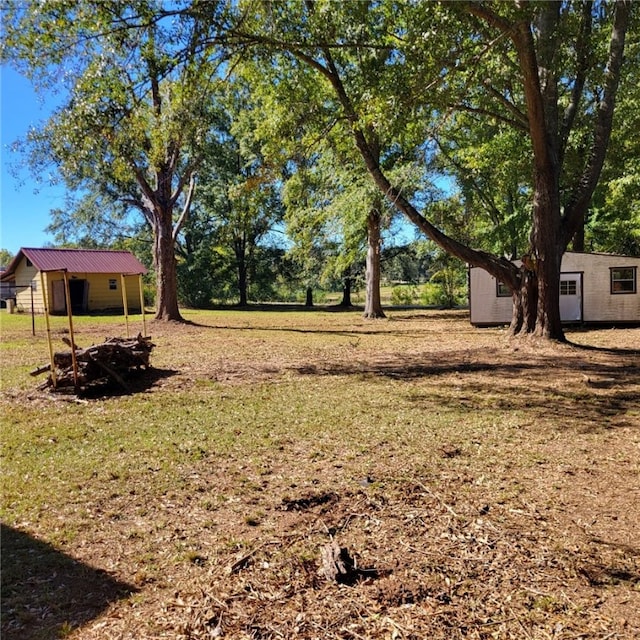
(115, 359)
(68, 342)
(39, 370)
(114, 374)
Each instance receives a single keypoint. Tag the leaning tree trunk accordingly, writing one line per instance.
(165, 264)
(373, 305)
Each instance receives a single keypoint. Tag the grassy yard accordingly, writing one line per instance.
(484, 488)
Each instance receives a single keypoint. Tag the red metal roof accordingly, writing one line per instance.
(79, 261)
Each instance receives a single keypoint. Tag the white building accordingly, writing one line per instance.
(594, 288)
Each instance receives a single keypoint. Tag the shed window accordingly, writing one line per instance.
(624, 280)
(29, 263)
(502, 291)
(113, 284)
(568, 287)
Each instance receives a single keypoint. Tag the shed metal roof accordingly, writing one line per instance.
(78, 261)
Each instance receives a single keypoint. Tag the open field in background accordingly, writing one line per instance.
(486, 488)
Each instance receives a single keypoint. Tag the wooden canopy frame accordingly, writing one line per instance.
(67, 293)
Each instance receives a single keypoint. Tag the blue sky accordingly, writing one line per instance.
(24, 204)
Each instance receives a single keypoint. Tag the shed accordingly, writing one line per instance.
(594, 288)
(96, 278)
(7, 290)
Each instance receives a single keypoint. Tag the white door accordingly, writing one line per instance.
(571, 297)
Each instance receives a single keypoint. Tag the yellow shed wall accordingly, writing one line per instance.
(27, 278)
(100, 296)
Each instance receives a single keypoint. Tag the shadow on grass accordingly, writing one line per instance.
(475, 360)
(605, 563)
(326, 332)
(559, 387)
(614, 351)
(434, 313)
(135, 382)
(362, 330)
(46, 593)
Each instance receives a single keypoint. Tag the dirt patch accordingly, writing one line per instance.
(480, 487)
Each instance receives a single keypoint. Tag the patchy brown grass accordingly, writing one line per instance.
(486, 488)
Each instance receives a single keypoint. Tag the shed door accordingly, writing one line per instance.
(571, 297)
(59, 303)
(78, 293)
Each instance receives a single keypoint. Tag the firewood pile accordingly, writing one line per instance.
(115, 360)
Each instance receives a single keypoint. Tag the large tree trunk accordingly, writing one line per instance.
(548, 323)
(242, 284)
(541, 97)
(240, 249)
(547, 256)
(577, 244)
(346, 292)
(165, 264)
(373, 305)
(525, 300)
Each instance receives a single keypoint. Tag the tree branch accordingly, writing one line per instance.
(582, 64)
(576, 208)
(521, 121)
(187, 205)
(501, 268)
(494, 213)
(480, 9)
(517, 124)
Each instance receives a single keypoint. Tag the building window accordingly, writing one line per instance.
(502, 291)
(568, 287)
(624, 280)
(113, 284)
(29, 263)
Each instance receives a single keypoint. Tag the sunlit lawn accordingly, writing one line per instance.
(418, 441)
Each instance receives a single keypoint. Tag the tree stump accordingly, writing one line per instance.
(337, 565)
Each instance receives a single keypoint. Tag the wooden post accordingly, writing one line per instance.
(74, 361)
(46, 317)
(141, 291)
(33, 311)
(125, 302)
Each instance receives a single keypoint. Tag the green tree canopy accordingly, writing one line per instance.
(139, 112)
(548, 70)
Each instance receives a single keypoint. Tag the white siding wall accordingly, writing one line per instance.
(599, 304)
(485, 306)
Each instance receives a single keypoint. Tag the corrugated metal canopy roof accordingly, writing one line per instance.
(79, 261)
